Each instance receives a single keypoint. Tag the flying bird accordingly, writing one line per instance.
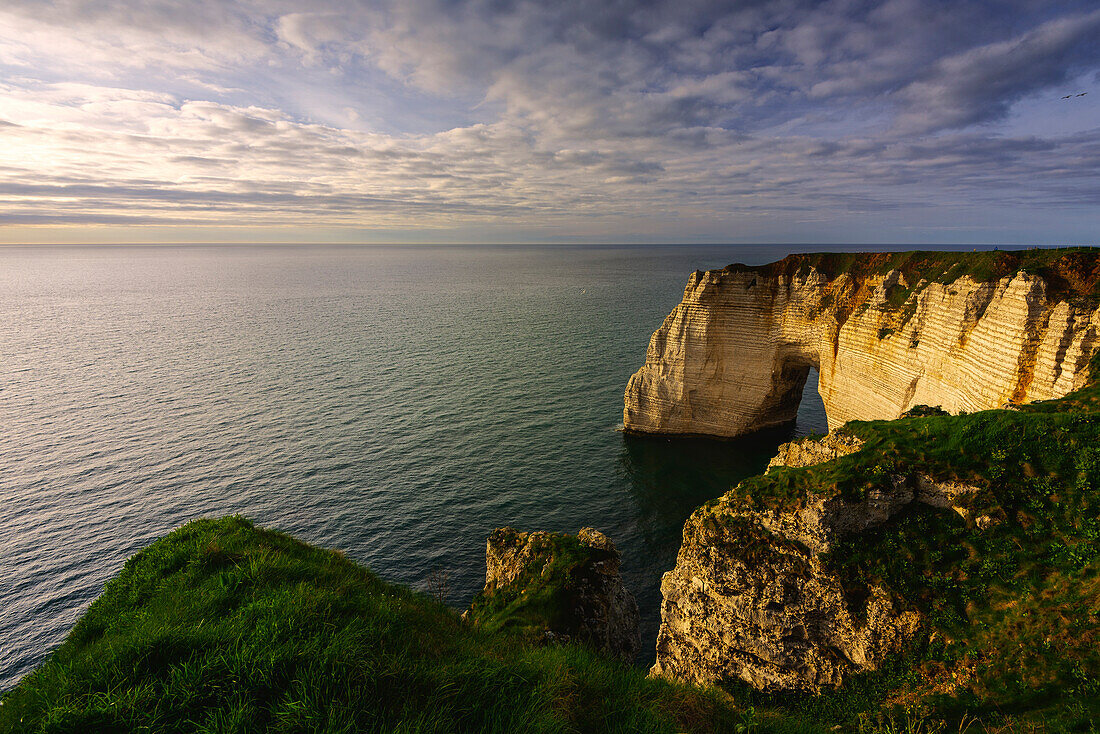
(1082, 94)
(1067, 96)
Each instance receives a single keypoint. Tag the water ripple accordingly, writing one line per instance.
(396, 404)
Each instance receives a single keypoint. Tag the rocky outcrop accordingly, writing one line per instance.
(807, 452)
(558, 587)
(752, 599)
(734, 355)
(743, 604)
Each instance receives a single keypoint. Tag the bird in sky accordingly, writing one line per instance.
(1082, 94)
(1067, 96)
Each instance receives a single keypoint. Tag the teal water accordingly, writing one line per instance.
(398, 404)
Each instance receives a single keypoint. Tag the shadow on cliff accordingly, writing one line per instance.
(669, 478)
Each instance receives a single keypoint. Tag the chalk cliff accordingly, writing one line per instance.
(886, 332)
(759, 592)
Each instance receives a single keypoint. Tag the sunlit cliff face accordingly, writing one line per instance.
(733, 356)
(896, 121)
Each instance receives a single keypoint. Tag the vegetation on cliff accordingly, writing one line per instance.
(557, 587)
(225, 627)
(535, 598)
(1008, 586)
(1071, 272)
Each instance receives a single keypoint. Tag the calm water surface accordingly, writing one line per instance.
(398, 404)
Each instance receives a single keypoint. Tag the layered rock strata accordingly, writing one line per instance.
(752, 599)
(560, 588)
(734, 355)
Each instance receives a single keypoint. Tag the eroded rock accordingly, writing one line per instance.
(745, 604)
(751, 599)
(558, 587)
(809, 451)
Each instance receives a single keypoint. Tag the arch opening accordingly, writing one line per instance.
(789, 403)
(811, 417)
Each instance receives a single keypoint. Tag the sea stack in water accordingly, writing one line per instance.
(964, 331)
(558, 587)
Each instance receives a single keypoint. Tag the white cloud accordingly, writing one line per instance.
(257, 113)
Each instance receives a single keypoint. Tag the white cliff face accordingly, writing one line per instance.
(733, 356)
(754, 595)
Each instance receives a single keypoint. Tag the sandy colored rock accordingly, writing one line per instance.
(744, 604)
(733, 356)
(750, 599)
(809, 451)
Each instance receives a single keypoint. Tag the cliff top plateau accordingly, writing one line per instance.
(1070, 272)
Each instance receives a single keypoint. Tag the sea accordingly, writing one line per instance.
(396, 403)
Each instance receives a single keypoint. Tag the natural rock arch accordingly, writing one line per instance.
(789, 379)
(733, 356)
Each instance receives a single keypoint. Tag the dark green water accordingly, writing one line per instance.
(398, 404)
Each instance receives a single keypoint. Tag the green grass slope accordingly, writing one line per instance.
(225, 627)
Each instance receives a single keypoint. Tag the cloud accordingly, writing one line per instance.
(981, 84)
(531, 114)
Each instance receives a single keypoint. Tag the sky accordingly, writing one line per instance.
(572, 121)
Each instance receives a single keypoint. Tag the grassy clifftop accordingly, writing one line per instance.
(225, 627)
(1071, 272)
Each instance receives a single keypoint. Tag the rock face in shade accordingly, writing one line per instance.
(750, 598)
(733, 356)
(558, 587)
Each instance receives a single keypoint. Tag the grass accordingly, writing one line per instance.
(225, 627)
(1071, 272)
